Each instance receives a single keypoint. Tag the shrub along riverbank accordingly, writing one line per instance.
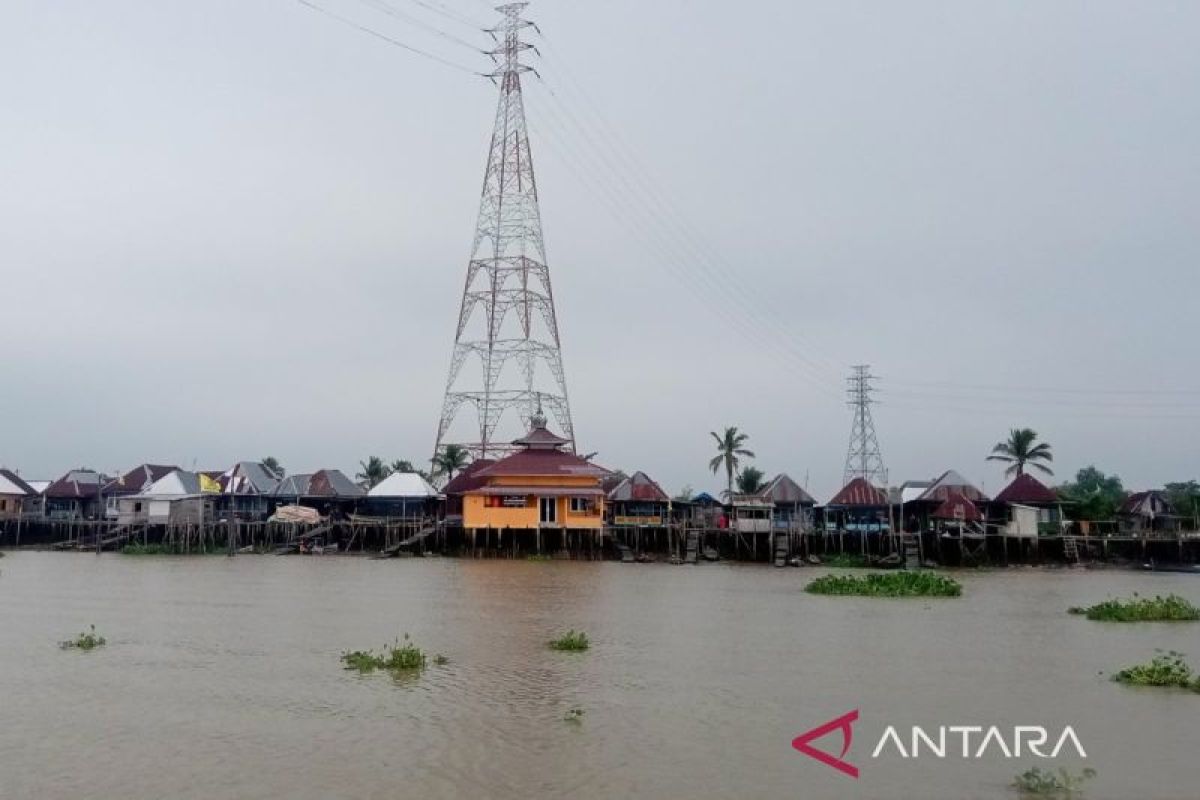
(887, 584)
(1171, 608)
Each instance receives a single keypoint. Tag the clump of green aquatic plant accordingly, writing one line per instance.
(572, 640)
(1044, 783)
(887, 584)
(1165, 669)
(845, 561)
(133, 549)
(401, 656)
(88, 640)
(440, 660)
(574, 715)
(538, 557)
(1171, 608)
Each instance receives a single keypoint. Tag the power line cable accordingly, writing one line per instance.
(395, 13)
(384, 37)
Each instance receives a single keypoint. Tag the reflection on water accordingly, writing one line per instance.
(221, 679)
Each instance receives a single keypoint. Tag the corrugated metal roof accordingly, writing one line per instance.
(539, 491)
(782, 490)
(403, 484)
(1146, 504)
(550, 463)
(1026, 489)
(541, 437)
(957, 506)
(76, 484)
(249, 477)
(949, 482)
(139, 478)
(859, 492)
(322, 483)
(469, 478)
(11, 483)
(638, 487)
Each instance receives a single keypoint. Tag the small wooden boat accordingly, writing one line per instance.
(711, 554)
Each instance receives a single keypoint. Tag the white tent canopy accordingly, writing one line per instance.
(403, 484)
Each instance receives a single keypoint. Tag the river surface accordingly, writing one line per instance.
(221, 679)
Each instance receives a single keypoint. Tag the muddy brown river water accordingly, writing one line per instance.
(221, 679)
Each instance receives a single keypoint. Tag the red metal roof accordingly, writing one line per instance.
(139, 478)
(542, 491)
(957, 506)
(469, 478)
(550, 463)
(859, 492)
(76, 484)
(1027, 489)
(639, 487)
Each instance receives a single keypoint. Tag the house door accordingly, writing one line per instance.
(548, 510)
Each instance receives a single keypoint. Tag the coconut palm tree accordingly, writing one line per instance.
(750, 480)
(1020, 451)
(401, 465)
(729, 447)
(452, 458)
(373, 470)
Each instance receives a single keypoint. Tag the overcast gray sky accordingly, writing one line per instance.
(234, 228)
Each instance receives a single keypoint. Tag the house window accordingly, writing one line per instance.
(581, 505)
(137, 508)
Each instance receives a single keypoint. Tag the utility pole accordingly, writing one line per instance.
(863, 459)
(506, 318)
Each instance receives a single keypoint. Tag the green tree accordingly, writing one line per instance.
(729, 448)
(685, 494)
(272, 464)
(1185, 497)
(1020, 451)
(1093, 495)
(401, 465)
(453, 458)
(750, 480)
(372, 471)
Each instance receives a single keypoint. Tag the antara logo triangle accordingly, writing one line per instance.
(843, 723)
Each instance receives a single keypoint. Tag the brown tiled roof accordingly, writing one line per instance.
(1027, 489)
(859, 492)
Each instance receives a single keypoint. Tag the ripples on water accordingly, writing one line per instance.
(222, 679)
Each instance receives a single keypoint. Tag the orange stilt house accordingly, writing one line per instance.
(539, 488)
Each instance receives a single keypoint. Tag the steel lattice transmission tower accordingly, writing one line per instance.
(507, 319)
(863, 459)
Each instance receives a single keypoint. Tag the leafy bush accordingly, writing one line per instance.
(574, 715)
(1061, 784)
(572, 641)
(845, 561)
(402, 656)
(1165, 669)
(888, 584)
(1171, 608)
(88, 640)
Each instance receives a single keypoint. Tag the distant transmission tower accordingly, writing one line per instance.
(862, 457)
(507, 317)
